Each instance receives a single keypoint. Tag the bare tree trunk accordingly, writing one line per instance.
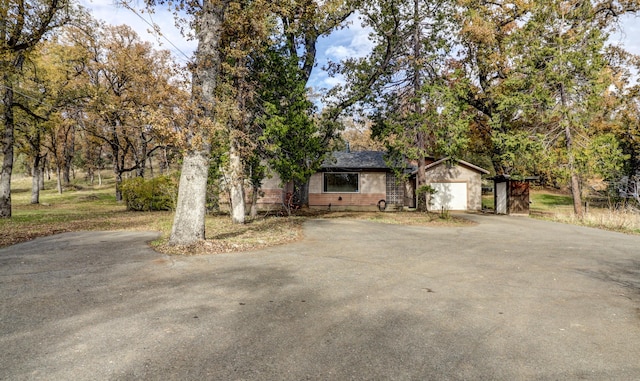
(576, 193)
(254, 202)
(43, 169)
(189, 220)
(422, 202)
(35, 186)
(35, 180)
(164, 161)
(7, 151)
(68, 151)
(151, 166)
(301, 192)
(58, 180)
(575, 181)
(66, 174)
(118, 186)
(236, 174)
(141, 161)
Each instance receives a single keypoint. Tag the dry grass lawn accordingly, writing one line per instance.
(556, 206)
(85, 207)
(88, 207)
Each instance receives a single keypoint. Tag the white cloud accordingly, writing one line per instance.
(350, 42)
(339, 52)
(333, 81)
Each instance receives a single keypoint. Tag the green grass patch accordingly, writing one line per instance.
(546, 201)
(487, 201)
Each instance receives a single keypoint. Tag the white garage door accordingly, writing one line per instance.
(450, 196)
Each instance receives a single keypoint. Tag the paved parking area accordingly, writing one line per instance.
(507, 299)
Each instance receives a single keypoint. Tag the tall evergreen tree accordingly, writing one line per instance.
(413, 90)
(291, 141)
(559, 55)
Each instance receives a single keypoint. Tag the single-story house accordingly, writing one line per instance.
(356, 181)
(364, 181)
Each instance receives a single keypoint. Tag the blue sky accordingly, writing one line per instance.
(349, 42)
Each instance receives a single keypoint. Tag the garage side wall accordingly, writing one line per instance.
(372, 188)
(446, 173)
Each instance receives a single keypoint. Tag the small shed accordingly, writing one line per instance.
(511, 195)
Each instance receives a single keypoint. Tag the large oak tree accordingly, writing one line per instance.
(23, 24)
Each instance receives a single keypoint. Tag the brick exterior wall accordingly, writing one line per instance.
(372, 189)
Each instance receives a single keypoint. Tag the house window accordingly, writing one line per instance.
(341, 183)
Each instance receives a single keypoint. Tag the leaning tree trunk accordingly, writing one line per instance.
(189, 220)
(7, 151)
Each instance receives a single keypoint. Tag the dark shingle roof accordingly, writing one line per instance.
(375, 160)
(355, 160)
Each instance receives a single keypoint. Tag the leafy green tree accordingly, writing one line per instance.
(414, 92)
(246, 27)
(303, 138)
(291, 141)
(624, 107)
(485, 31)
(541, 80)
(561, 59)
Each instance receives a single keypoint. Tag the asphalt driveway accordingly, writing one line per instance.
(507, 299)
